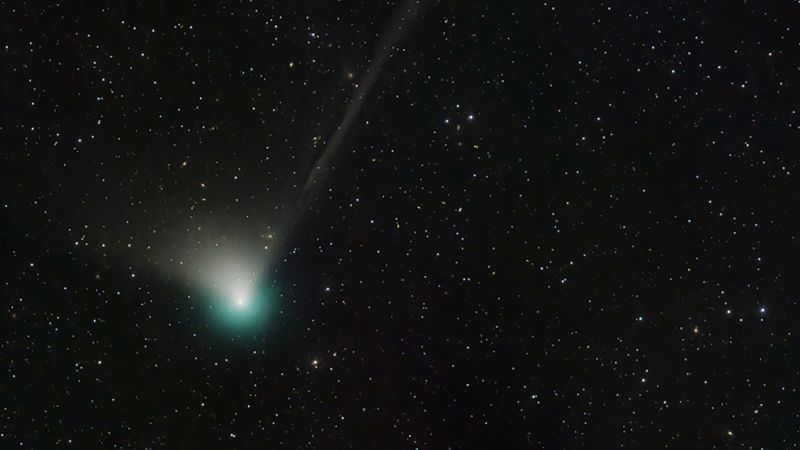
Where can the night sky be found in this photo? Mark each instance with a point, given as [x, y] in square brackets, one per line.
[399, 224]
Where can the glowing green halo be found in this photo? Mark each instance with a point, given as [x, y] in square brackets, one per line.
[239, 309]
[230, 282]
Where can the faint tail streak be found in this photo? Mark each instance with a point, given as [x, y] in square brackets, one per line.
[389, 39]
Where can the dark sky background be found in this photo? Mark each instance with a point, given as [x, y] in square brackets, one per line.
[551, 226]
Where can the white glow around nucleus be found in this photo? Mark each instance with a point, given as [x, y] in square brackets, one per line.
[230, 280]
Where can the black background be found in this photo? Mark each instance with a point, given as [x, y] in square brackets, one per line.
[603, 256]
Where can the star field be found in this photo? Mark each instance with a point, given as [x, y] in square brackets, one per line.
[399, 224]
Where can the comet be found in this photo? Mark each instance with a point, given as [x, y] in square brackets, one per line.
[230, 275]
[389, 40]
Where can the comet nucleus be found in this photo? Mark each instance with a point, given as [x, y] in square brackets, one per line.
[231, 280]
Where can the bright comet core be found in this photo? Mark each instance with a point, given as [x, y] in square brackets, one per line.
[230, 279]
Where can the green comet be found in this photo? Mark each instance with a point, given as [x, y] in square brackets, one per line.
[231, 281]
[241, 308]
